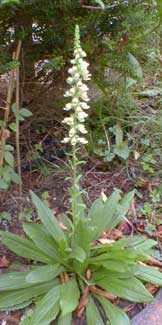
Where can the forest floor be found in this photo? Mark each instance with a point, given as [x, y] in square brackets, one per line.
[97, 177]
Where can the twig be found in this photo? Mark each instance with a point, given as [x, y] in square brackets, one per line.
[116, 5]
[10, 93]
[98, 8]
[15, 56]
[17, 120]
[7, 109]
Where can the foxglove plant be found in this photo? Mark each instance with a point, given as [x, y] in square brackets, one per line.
[68, 266]
[77, 107]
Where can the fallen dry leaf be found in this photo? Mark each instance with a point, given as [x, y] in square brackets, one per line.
[132, 210]
[159, 229]
[153, 261]
[105, 241]
[153, 217]
[5, 134]
[141, 226]
[128, 308]
[4, 262]
[152, 288]
[115, 234]
[63, 227]
[137, 155]
[83, 302]
[102, 292]
[64, 277]
[159, 232]
[88, 274]
[122, 225]
[146, 183]
[125, 226]
[10, 319]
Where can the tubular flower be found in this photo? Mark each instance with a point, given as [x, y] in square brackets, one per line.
[78, 92]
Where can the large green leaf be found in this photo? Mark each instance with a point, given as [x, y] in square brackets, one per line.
[104, 248]
[132, 247]
[47, 309]
[131, 254]
[69, 297]
[114, 265]
[17, 307]
[115, 315]
[23, 247]
[123, 243]
[131, 289]
[9, 299]
[96, 209]
[13, 280]
[141, 243]
[123, 208]
[101, 273]
[44, 273]
[65, 320]
[78, 253]
[110, 208]
[148, 273]
[102, 215]
[92, 314]
[42, 240]
[81, 236]
[48, 219]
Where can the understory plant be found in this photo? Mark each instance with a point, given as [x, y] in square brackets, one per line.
[69, 270]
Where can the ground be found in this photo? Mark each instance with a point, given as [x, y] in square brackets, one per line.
[97, 177]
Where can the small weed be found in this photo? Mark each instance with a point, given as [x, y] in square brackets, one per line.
[113, 146]
[5, 216]
[26, 215]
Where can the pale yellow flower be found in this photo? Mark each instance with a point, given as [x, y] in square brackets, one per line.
[79, 94]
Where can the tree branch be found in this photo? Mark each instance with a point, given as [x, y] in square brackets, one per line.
[114, 6]
[98, 8]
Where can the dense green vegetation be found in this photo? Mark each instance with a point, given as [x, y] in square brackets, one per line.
[121, 41]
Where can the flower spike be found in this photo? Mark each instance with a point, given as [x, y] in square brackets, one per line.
[79, 94]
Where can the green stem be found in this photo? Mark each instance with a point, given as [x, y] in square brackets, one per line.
[74, 185]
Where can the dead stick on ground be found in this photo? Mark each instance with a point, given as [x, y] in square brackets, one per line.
[15, 56]
[17, 120]
[4, 135]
